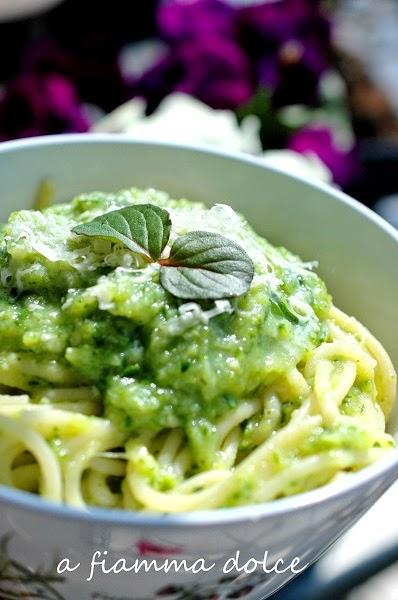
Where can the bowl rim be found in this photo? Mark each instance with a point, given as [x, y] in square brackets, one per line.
[386, 467]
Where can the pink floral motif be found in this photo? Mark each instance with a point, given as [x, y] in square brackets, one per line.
[146, 547]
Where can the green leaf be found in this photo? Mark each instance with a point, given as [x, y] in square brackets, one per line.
[205, 265]
[282, 307]
[273, 132]
[143, 228]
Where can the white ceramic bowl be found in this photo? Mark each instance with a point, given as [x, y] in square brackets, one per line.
[358, 254]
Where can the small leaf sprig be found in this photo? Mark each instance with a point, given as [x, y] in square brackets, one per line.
[201, 265]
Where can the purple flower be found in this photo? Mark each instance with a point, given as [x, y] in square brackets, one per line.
[204, 60]
[158, 81]
[282, 20]
[96, 76]
[186, 19]
[293, 73]
[289, 41]
[221, 53]
[214, 70]
[40, 104]
[343, 163]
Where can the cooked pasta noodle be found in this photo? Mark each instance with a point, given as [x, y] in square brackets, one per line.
[321, 383]
[63, 435]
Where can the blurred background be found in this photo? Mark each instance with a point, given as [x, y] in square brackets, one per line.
[317, 79]
[308, 85]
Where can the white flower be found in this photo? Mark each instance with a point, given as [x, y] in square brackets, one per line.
[181, 118]
[119, 120]
[306, 165]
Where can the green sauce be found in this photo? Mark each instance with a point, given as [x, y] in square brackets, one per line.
[104, 317]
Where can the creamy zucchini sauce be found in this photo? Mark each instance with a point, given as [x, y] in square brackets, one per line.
[77, 311]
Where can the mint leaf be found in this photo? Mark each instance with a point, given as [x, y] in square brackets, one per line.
[143, 228]
[205, 265]
[202, 265]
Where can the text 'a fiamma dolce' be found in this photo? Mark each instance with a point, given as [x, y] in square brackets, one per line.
[101, 563]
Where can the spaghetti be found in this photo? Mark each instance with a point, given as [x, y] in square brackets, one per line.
[97, 409]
